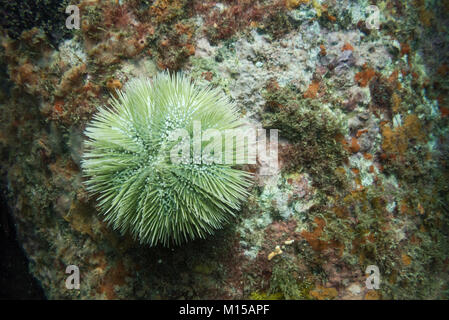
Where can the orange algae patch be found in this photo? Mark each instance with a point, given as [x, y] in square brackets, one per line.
[396, 141]
[394, 76]
[332, 18]
[114, 84]
[444, 111]
[405, 49]
[292, 4]
[354, 147]
[313, 238]
[164, 10]
[58, 106]
[406, 260]
[341, 139]
[404, 208]
[323, 51]
[347, 46]
[367, 237]
[312, 90]
[415, 240]
[373, 295]
[190, 49]
[207, 75]
[184, 29]
[114, 277]
[360, 132]
[254, 24]
[365, 76]
[323, 293]
[396, 102]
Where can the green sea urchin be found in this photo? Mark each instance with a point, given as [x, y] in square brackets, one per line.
[127, 162]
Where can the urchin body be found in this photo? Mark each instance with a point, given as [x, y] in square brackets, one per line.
[127, 162]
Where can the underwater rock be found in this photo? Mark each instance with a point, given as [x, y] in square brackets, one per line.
[362, 114]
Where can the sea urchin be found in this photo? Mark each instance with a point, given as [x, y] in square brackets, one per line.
[127, 162]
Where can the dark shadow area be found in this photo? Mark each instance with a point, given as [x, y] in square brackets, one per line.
[47, 15]
[16, 282]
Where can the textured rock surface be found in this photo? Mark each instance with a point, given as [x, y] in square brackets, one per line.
[362, 115]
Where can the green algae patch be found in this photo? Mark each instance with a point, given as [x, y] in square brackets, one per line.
[313, 131]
